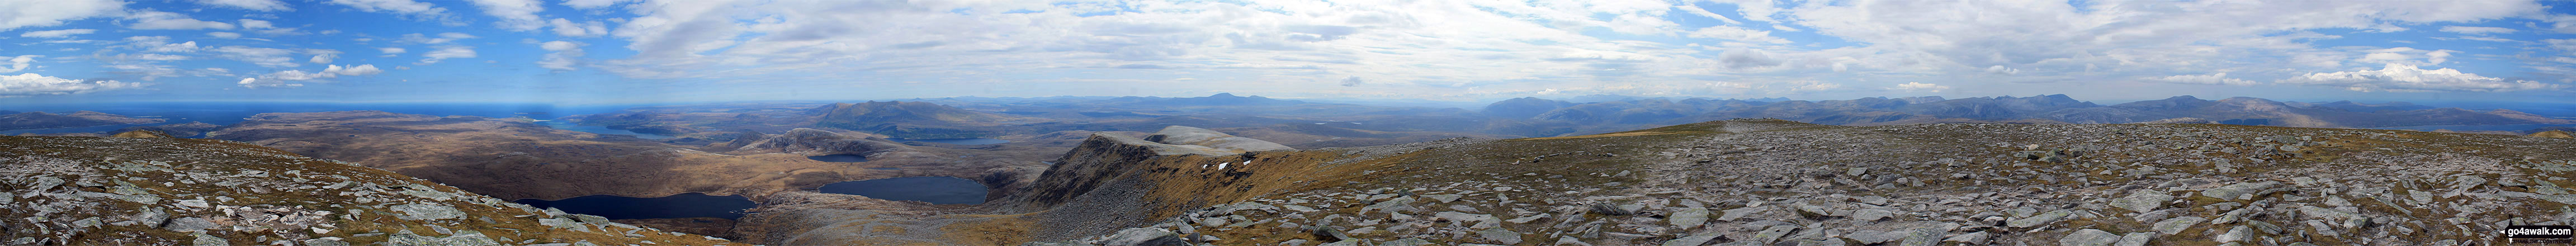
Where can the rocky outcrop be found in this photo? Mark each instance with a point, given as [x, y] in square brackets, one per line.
[2551, 134]
[170, 191]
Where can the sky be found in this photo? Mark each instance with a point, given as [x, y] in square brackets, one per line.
[630, 51]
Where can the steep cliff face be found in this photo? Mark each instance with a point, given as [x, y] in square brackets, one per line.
[144, 188]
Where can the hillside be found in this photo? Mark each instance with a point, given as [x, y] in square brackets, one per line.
[1760, 182]
[154, 190]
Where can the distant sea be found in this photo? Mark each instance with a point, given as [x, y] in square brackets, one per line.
[227, 113]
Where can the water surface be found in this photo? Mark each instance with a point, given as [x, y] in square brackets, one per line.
[935, 190]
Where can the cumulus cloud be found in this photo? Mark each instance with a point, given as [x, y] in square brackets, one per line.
[30, 84]
[19, 63]
[391, 51]
[16, 14]
[444, 53]
[2407, 78]
[157, 20]
[259, 5]
[322, 56]
[2202, 79]
[515, 15]
[1920, 86]
[566, 54]
[2477, 29]
[64, 33]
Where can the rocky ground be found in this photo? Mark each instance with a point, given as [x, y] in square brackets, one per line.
[144, 188]
[1770, 182]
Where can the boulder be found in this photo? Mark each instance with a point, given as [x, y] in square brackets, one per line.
[2089, 237]
[2143, 201]
[1144, 236]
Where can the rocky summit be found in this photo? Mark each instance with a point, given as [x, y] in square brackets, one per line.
[143, 188]
[1775, 182]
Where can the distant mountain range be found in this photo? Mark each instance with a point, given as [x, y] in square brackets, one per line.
[41, 120]
[2037, 109]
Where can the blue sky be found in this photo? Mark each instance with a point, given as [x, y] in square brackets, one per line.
[627, 51]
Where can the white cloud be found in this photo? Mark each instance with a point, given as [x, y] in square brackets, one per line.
[566, 55]
[64, 33]
[322, 56]
[2000, 69]
[391, 51]
[1737, 34]
[16, 14]
[409, 8]
[17, 63]
[266, 57]
[256, 83]
[160, 44]
[157, 20]
[1920, 86]
[29, 84]
[224, 35]
[2202, 79]
[259, 5]
[2408, 78]
[442, 38]
[291, 78]
[1353, 81]
[296, 75]
[359, 70]
[2477, 29]
[515, 15]
[592, 4]
[256, 24]
[444, 53]
[585, 29]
